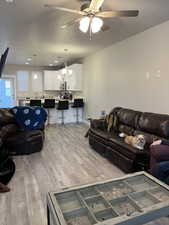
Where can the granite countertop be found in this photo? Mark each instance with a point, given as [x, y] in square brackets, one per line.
[27, 101]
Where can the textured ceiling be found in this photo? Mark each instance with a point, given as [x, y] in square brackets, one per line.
[29, 28]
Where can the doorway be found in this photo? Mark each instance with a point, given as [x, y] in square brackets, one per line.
[7, 93]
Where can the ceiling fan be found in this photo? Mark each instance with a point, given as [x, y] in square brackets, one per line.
[91, 16]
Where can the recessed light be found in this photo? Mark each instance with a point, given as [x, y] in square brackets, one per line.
[27, 63]
[29, 59]
[50, 64]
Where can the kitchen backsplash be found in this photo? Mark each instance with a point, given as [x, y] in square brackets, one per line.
[46, 94]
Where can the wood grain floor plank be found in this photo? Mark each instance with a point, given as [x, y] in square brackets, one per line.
[66, 160]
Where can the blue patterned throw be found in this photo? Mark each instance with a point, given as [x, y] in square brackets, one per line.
[29, 118]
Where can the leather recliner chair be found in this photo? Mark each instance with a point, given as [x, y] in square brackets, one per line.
[17, 141]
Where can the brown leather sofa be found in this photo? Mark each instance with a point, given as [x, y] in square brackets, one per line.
[153, 126]
[17, 141]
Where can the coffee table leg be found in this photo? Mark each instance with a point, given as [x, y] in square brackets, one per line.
[48, 215]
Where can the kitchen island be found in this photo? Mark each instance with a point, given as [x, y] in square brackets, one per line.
[55, 116]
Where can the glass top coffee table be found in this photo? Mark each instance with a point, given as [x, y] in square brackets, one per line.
[130, 200]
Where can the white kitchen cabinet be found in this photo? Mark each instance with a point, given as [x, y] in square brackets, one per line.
[58, 80]
[48, 80]
[36, 81]
[52, 80]
[74, 77]
[23, 81]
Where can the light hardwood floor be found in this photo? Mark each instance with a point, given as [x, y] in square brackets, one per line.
[66, 160]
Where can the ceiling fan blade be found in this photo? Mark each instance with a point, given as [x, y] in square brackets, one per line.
[71, 23]
[105, 28]
[95, 5]
[65, 9]
[121, 13]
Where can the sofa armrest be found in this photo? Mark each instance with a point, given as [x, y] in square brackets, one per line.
[98, 124]
[159, 153]
[8, 130]
[6, 117]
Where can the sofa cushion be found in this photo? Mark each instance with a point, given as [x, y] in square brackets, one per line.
[150, 138]
[126, 130]
[118, 144]
[103, 134]
[128, 117]
[156, 124]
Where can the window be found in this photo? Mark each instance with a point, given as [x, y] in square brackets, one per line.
[8, 87]
[6, 93]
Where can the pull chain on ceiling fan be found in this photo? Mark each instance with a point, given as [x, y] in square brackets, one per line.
[91, 16]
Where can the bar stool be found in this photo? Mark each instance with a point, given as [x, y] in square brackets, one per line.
[49, 104]
[35, 102]
[78, 103]
[63, 105]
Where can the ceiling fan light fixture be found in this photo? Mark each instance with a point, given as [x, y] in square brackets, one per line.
[96, 24]
[84, 24]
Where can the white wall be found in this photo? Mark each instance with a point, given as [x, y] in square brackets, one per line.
[133, 73]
